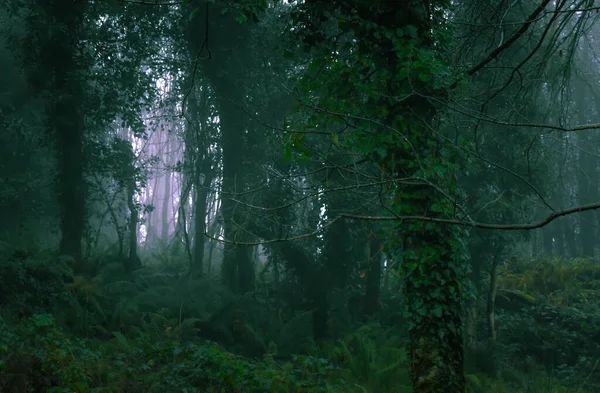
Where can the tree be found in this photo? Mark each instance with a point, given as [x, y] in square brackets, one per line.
[382, 60]
[54, 30]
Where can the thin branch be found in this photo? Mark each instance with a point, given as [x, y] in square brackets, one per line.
[496, 52]
[488, 119]
[469, 224]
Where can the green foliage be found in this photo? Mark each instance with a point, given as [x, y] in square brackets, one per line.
[31, 283]
[372, 357]
[35, 355]
[556, 328]
[566, 282]
[145, 335]
[515, 382]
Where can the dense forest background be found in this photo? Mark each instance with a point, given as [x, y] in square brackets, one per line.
[299, 196]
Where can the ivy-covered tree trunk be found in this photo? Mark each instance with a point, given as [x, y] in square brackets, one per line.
[433, 292]
[395, 63]
[431, 256]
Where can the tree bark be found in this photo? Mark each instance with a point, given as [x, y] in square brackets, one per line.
[133, 260]
[165, 217]
[373, 288]
[225, 70]
[201, 189]
[57, 54]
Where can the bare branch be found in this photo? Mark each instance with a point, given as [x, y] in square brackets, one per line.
[496, 52]
[463, 223]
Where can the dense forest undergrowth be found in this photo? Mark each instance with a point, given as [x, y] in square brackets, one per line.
[160, 330]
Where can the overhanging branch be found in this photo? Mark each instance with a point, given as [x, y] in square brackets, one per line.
[463, 223]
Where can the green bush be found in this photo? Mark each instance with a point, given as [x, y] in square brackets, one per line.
[37, 356]
[32, 283]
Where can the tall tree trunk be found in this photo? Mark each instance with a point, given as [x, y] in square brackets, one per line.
[150, 221]
[180, 235]
[336, 260]
[491, 314]
[201, 189]
[547, 241]
[374, 272]
[57, 54]
[214, 228]
[559, 240]
[568, 229]
[165, 216]
[472, 313]
[133, 260]
[225, 70]
[586, 183]
[237, 269]
[315, 283]
[535, 243]
[432, 256]
[587, 179]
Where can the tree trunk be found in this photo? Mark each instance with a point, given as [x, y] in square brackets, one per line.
[547, 242]
[373, 256]
[491, 312]
[472, 313]
[431, 256]
[569, 233]
[150, 221]
[225, 71]
[133, 261]
[201, 188]
[314, 283]
[214, 228]
[57, 53]
[165, 216]
[586, 194]
[237, 269]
